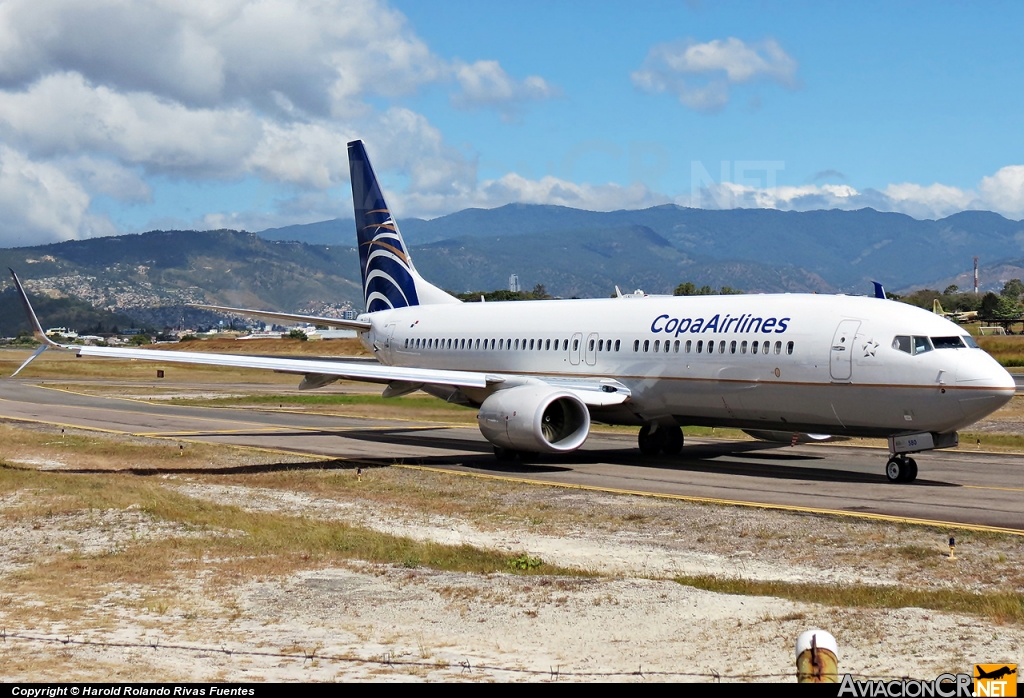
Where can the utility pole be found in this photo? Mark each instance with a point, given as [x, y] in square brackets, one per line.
[975, 276]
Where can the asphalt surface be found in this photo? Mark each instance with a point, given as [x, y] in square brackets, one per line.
[957, 487]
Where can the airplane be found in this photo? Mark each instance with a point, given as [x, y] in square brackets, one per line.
[996, 673]
[541, 372]
[955, 315]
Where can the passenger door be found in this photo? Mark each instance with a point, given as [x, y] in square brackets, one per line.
[574, 348]
[840, 363]
[591, 355]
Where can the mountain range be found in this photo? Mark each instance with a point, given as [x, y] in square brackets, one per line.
[151, 277]
[846, 249]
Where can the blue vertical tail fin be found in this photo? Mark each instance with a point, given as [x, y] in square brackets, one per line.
[389, 277]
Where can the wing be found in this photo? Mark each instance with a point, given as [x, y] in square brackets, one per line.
[358, 325]
[400, 379]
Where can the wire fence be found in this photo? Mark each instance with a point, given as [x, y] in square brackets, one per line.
[386, 659]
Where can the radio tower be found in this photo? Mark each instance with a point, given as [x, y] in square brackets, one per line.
[975, 276]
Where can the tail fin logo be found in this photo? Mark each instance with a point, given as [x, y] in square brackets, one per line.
[388, 274]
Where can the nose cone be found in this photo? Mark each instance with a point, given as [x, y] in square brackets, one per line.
[983, 384]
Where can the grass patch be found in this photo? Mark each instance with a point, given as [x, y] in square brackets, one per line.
[1007, 350]
[227, 538]
[991, 440]
[1000, 607]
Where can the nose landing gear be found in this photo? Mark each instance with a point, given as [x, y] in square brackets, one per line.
[901, 468]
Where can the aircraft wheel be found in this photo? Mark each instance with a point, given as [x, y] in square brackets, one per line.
[504, 454]
[673, 441]
[895, 470]
[911, 470]
[651, 441]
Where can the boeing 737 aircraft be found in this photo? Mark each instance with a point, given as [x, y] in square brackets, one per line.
[540, 372]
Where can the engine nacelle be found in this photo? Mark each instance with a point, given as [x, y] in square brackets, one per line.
[535, 418]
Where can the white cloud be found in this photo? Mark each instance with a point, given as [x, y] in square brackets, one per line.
[513, 188]
[1004, 191]
[932, 201]
[700, 75]
[41, 205]
[109, 92]
[486, 84]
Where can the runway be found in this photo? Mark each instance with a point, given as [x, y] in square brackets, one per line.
[974, 489]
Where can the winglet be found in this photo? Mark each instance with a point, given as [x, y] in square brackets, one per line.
[37, 329]
[879, 291]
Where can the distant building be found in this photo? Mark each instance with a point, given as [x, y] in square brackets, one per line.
[513, 283]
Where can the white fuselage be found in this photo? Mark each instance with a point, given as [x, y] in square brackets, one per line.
[830, 365]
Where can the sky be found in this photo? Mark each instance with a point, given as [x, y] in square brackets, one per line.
[121, 116]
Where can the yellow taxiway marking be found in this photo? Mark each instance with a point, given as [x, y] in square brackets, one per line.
[729, 502]
[991, 487]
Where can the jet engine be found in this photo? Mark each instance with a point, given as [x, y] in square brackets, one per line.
[535, 418]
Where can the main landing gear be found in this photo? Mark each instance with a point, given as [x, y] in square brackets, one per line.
[901, 468]
[658, 438]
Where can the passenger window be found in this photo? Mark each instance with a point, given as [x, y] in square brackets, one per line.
[721, 347]
[732, 347]
[531, 344]
[789, 348]
[675, 347]
[754, 346]
[616, 345]
[921, 345]
[902, 343]
[700, 346]
[764, 348]
[647, 345]
[547, 344]
[743, 347]
[657, 345]
[591, 346]
[947, 343]
[517, 344]
[778, 347]
[600, 345]
[711, 347]
[565, 344]
[636, 345]
[575, 345]
[687, 346]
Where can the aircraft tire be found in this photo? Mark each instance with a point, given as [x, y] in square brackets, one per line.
[673, 441]
[651, 441]
[911, 470]
[895, 470]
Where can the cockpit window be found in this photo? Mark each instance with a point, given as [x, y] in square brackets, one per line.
[921, 345]
[969, 341]
[902, 343]
[947, 343]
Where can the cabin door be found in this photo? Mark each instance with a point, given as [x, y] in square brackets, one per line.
[575, 345]
[841, 354]
[591, 353]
